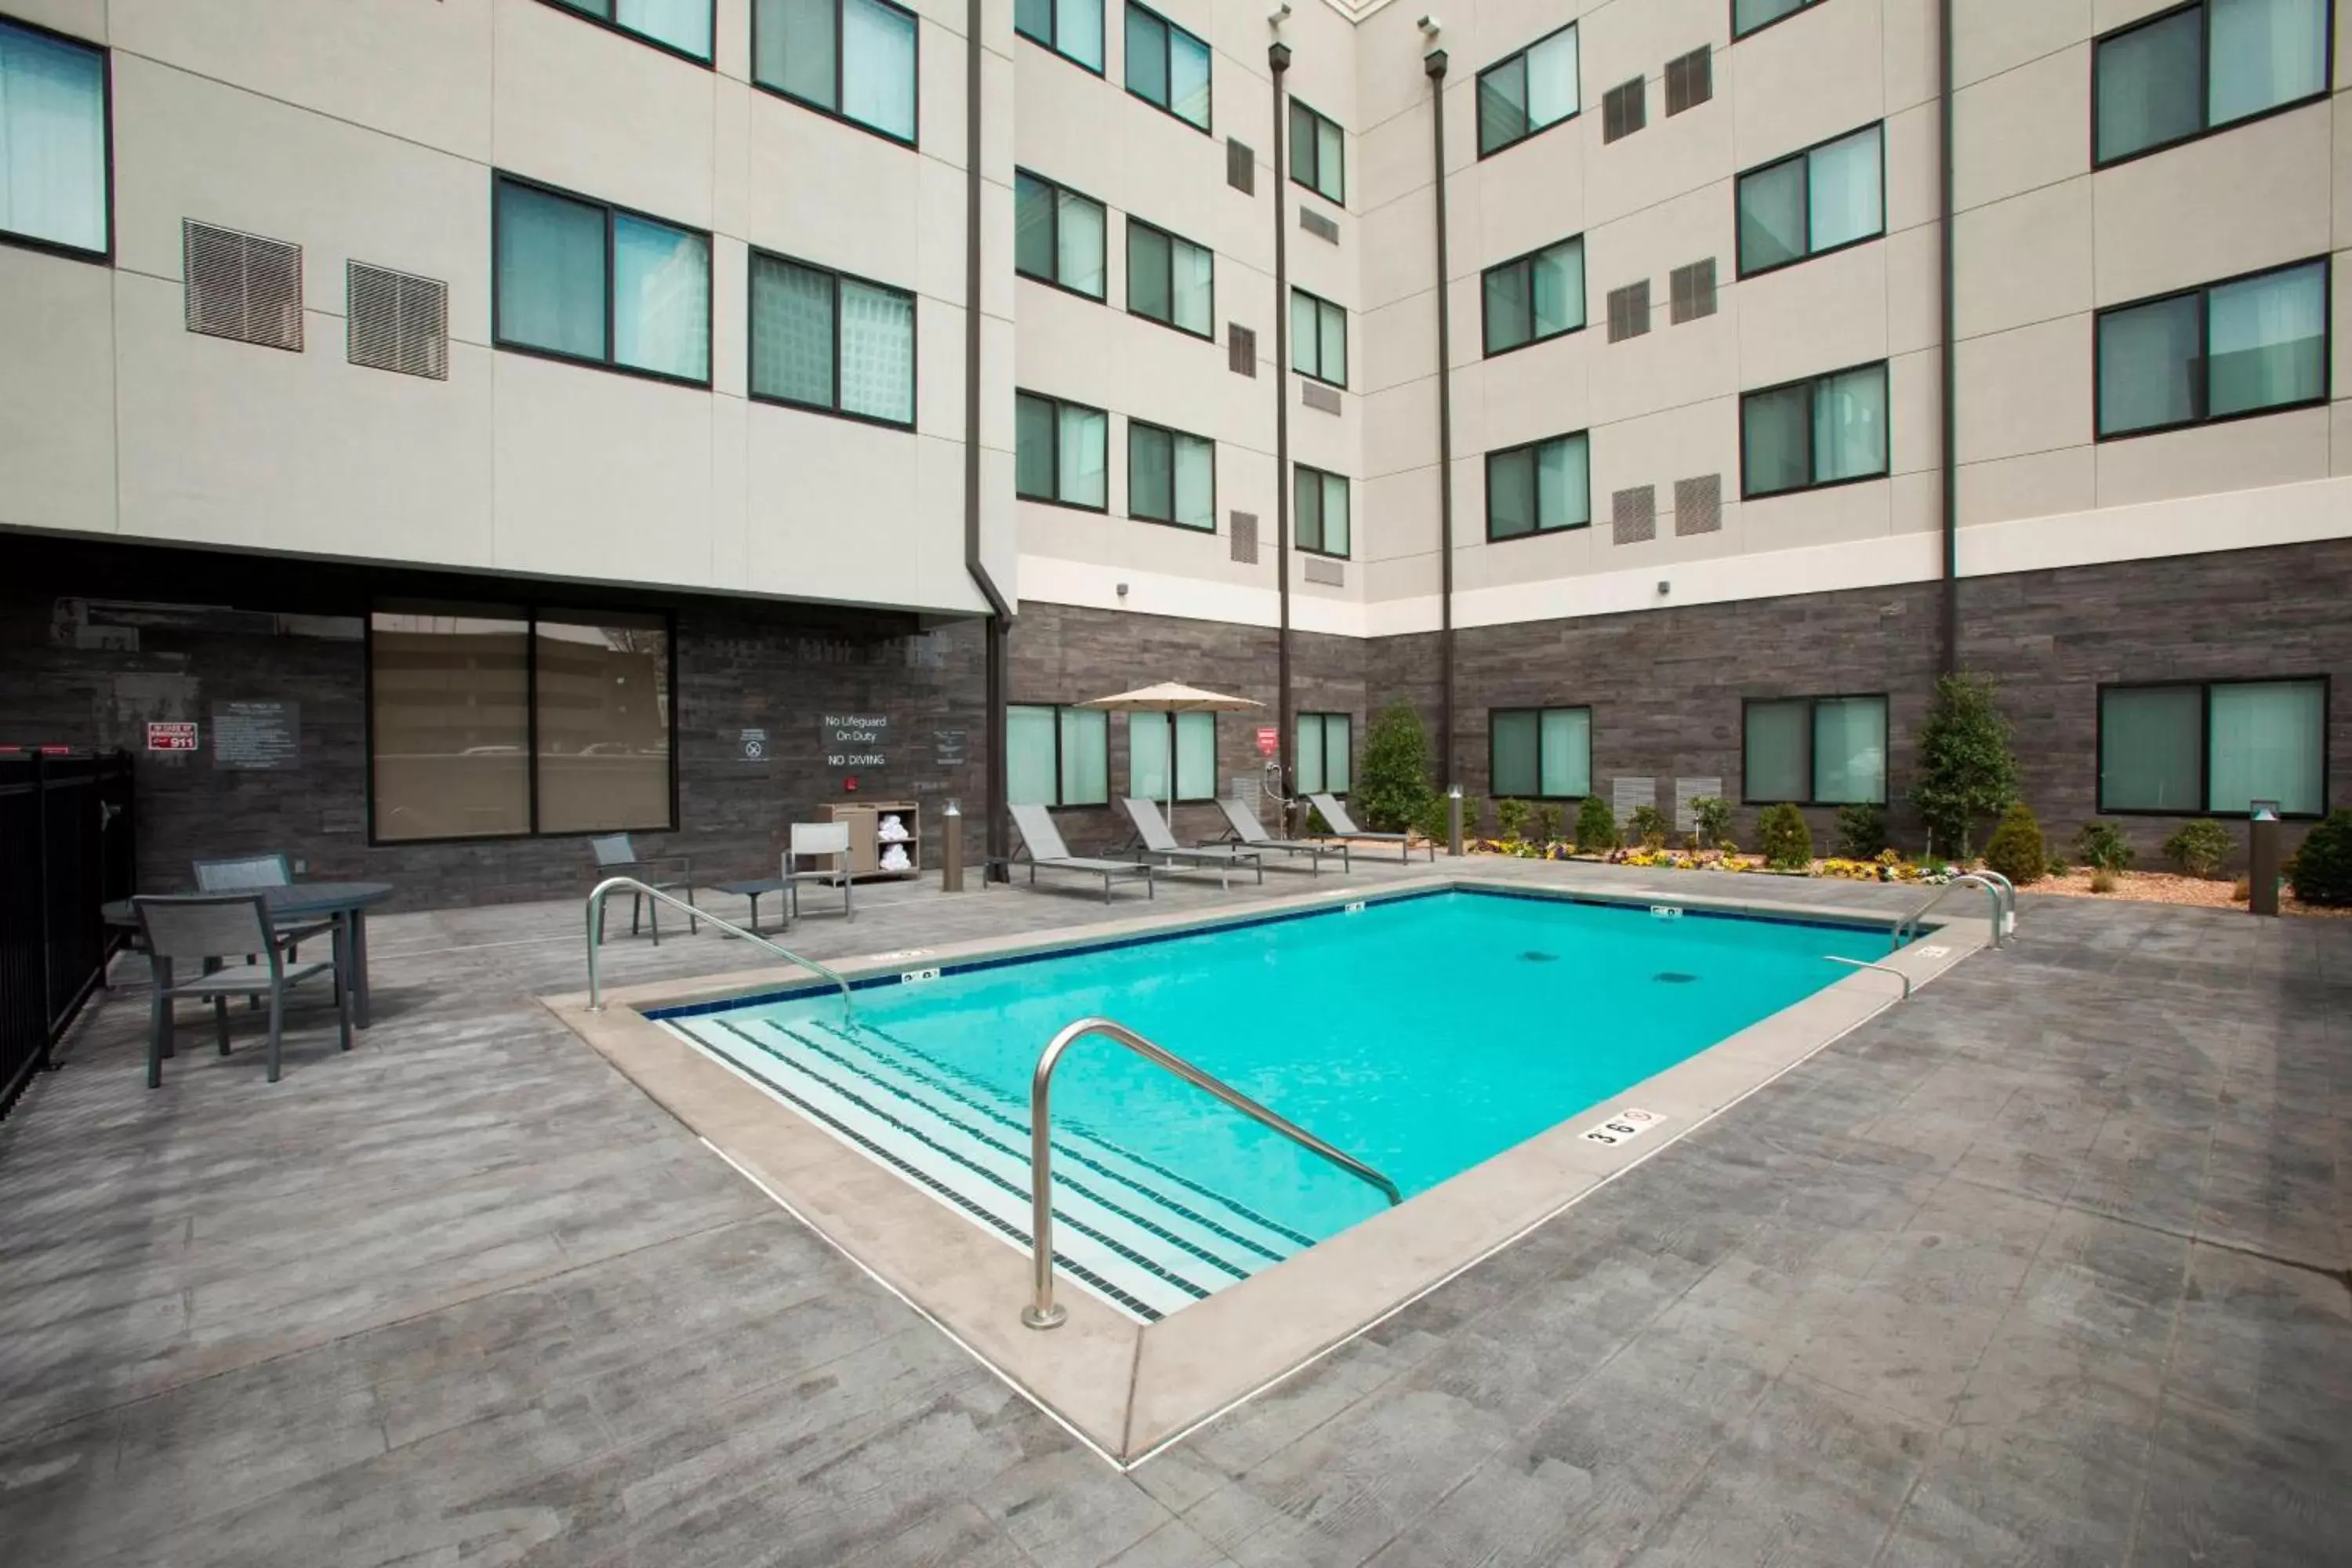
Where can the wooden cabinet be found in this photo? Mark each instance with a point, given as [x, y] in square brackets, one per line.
[866, 844]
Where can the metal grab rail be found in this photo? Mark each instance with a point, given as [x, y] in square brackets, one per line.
[1909, 925]
[1882, 968]
[2008, 897]
[1042, 1313]
[613, 884]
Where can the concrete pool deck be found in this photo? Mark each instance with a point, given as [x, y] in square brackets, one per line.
[2046, 1265]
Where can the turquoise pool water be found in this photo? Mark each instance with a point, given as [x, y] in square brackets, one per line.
[1421, 1035]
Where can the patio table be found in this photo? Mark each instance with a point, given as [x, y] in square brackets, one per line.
[346, 903]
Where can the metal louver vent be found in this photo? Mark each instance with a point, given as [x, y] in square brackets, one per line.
[1241, 349]
[1690, 79]
[1692, 291]
[1246, 537]
[1241, 167]
[1698, 504]
[1315, 394]
[242, 286]
[1624, 108]
[1629, 312]
[1634, 515]
[1330, 573]
[1319, 226]
[398, 322]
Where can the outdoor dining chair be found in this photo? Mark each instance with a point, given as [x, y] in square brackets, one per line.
[257, 871]
[616, 857]
[205, 930]
[826, 841]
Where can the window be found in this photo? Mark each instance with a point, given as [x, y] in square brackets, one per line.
[1540, 488]
[1167, 67]
[853, 59]
[1319, 504]
[53, 142]
[1061, 452]
[1543, 753]
[1320, 758]
[1190, 738]
[681, 26]
[1171, 477]
[1690, 81]
[486, 723]
[581, 280]
[827, 340]
[1319, 337]
[1319, 153]
[1056, 756]
[2203, 67]
[1624, 108]
[1825, 430]
[1812, 202]
[1691, 290]
[1529, 91]
[1057, 236]
[1815, 751]
[2213, 748]
[2226, 350]
[1171, 280]
[1534, 298]
[1747, 15]
[1071, 28]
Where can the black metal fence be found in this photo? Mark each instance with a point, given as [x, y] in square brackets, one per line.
[66, 849]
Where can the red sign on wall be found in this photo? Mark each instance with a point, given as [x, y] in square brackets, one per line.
[172, 736]
[1266, 740]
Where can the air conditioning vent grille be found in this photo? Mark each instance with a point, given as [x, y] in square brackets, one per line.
[398, 322]
[242, 286]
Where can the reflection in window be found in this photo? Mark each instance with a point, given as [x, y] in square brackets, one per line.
[2228, 349]
[1818, 200]
[2203, 67]
[602, 701]
[564, 266]
[1536, 297]
[1822, 431]
[1527, 92]
[851, 58]
[52, 141]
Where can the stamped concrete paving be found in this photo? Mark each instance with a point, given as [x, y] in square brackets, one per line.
[2047, 1266]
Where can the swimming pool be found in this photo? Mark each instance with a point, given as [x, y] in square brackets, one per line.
[1422, 1035]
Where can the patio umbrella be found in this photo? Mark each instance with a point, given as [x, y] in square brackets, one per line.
[1170, 697]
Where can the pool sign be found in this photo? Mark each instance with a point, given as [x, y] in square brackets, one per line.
[175, 735]
[1267, 738]
[1625, 1125]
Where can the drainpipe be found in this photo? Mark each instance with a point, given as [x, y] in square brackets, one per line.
[1951, 601]
[999, 614]
[1434, 64]
[1279, 57]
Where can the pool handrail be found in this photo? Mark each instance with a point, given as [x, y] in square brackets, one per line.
[1043, 1312]
[1908, 926]
[630, 884]
[1881, 968]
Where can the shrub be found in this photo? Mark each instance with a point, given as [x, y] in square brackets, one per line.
[2058, 866]
[1393, 784]
[1786, 842]
[2103, 847]
[2015, 849]
[1431, 821]
[2200, 848]
[1549, 821]
[2322, 871]
[1861, 831]
[1647, 826]
[1511, 817]
[2242, 890]
[1712, 814]
[2103, 880]
[1596, 826]
[1966, 771]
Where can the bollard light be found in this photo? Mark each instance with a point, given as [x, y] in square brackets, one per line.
[1453, 820]
[2263, 857]
[951, 849]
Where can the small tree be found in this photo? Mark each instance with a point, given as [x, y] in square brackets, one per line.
[1711, 819]
[1786, 843]
[1861, 831]
[1512, 816]
[1647, 826]
[2199, 848]
[1393, 786]
[1966, 771]
[2015, 849]
[1596, 826]
[2322, 873]
[1549, 819]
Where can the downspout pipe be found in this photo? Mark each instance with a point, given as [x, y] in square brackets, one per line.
[1434, 64]
[1278, 57]
[1000, 612]
[1950, 609]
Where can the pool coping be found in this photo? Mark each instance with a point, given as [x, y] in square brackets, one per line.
[1128, 1388]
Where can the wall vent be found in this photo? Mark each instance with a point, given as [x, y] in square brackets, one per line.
[1634, 515]
[1324, 570]
[1241, 167]
[1629, 312]
[1241, 349]
[1245, 532]
[1692, 291]
[1624, 108]
[398, 322]
[1690, 79]
[1319, 226]
[242, 286]
[1315, 394]
[1698, 505]
[1625, 794]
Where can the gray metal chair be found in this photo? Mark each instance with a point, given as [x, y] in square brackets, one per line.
[208, 929]
[1344, 826]
[1042, 842]
[616, 857]
[257, 871]
[816, 841]
[1159, 838]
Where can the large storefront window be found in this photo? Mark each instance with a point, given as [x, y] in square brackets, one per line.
[486, 722]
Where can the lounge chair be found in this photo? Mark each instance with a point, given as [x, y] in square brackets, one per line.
[1251, 832]
[1152, 829]
[1344, 826]
[1042, 842]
